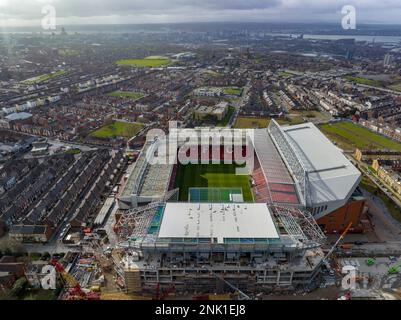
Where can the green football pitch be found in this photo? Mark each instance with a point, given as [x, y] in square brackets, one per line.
[217, 195]
[211, 176]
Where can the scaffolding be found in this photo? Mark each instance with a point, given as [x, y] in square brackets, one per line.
[134, 223]
[137, 174]
[172, 195]
[299, 225]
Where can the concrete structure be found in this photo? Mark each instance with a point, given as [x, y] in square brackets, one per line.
[218, 111]
[208, 92]
[262, 249]
[191, 220]
[388, 60]
[146, 182]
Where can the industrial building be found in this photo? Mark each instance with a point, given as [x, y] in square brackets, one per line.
[271, 243]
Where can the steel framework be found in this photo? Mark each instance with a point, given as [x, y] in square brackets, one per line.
[299, 225]
[292, 160]
[134, 222]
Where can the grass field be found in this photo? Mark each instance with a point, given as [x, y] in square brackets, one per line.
[233, 91]
[284, 74]
[351, 136]
[157, 58]
[217, 195]
[73, 151]
[298, 117]
[211, 176]
[251, 123]
[149, 62]
[360, 80]
[44, 77]
[117, 129]
[395, 87]
[126, 94]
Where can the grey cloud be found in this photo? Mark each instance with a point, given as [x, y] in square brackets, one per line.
[387, 11]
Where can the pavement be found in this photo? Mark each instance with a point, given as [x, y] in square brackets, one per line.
[109, 227]
[238, 104]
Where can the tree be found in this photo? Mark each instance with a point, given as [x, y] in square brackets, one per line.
[19, 287]
[46, 256]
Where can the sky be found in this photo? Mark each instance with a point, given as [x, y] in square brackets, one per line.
[29, 12]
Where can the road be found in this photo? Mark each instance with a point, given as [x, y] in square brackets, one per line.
[83, 147]
[380, 184]
[109, 227]
[238, 104]
[72, 145]
[51, 248]
[385, 90]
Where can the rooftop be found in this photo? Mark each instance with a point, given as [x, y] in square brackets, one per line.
[221, 221]
[331, 175]
[18, 116]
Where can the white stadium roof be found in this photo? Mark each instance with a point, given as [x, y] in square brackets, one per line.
[205, 220]
[332, 176]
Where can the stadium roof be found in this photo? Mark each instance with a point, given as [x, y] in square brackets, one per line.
[332, 176]
[221, 221]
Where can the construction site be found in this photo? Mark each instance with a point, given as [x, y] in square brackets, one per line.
[209, 245]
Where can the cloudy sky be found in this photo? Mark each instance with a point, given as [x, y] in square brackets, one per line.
[28, 12]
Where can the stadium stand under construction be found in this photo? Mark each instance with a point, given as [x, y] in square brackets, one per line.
[216, 238]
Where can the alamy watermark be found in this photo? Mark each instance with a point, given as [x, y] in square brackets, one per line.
[353, 279]
[348, 21]
[49, 15]
[48, 282]
[348, 282]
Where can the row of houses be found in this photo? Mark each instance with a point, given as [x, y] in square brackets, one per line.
[14, 171]
[85, 212]
[388, 176]
[45, 217]
[16, 202]
[382, 128]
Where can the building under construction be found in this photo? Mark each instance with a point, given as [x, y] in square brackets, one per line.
[270, 244]
[200, 247]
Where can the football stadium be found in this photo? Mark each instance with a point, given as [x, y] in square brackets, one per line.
[207, 223]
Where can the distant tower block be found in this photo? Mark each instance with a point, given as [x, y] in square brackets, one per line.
[388, 60]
